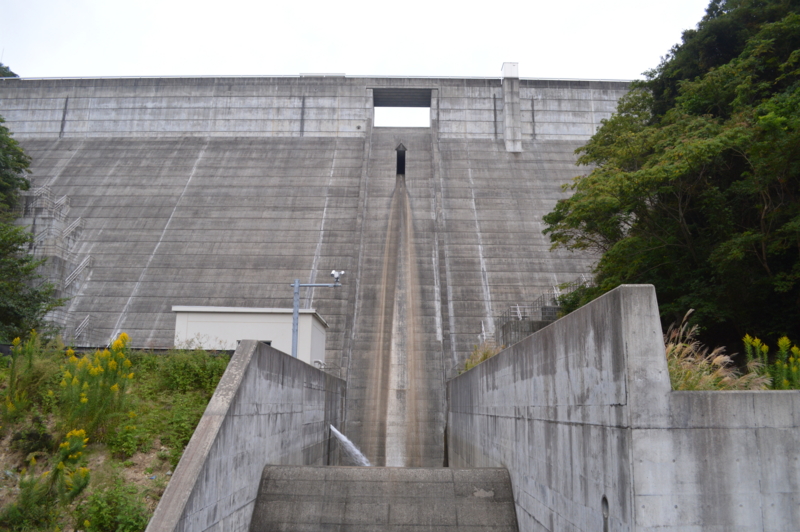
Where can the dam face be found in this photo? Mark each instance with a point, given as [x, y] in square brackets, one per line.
[152, 192]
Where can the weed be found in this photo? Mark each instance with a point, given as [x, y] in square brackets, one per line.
[40, 494]
[483, 351]
[33, 438]
[185, 414]
[93, 388]
[784, 370]
[116, 508]
[693, 367]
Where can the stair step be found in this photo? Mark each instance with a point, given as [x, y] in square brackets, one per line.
[383, 499]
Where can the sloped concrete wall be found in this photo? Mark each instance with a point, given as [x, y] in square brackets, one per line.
[269, 408]
[582, 412]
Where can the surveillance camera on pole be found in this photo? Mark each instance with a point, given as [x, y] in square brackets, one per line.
[296, 310]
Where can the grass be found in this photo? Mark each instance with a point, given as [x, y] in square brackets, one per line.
[481, 352]
[92, 438]
[693, 366]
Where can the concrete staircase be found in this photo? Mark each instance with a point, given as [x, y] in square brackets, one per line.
[378, 499]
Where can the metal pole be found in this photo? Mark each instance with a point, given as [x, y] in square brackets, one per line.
[296, 310]
[295, 316]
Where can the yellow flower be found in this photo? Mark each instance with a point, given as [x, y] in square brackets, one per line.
[130, 375]
[75, 381]
[124, 338]
[50, 392]
[131, 414]
[73, 359]
[784, 343]
[115, 388]
[117, 345]
[85, 385]
[15, 341]
[84, 400]
[60, 466]
[63, 383]
[127, 363]
[67, 375]
[112, 365]
[87, 524]
[70, 352]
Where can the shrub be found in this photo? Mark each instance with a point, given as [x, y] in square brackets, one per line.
[33, 438]
[93, 388]
[185, 415]
[33, 368]
[185, 371]
[117, 508]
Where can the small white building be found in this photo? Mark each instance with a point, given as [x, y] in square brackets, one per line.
[223, 327]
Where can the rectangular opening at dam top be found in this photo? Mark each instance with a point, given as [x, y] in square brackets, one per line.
[402, 107]
[402, 117]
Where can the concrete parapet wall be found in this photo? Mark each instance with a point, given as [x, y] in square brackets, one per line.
[581, 412]
[299, 107]
[269, 408]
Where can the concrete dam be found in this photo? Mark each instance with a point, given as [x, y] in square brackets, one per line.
[150, 193]
[154, 193]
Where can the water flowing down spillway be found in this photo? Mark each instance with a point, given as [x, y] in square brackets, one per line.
[394, 384]
[395, 411]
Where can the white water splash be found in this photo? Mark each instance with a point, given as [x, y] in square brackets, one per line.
[350, 449]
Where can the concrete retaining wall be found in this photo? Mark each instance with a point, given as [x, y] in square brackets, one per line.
[582, 415]
[269, 408]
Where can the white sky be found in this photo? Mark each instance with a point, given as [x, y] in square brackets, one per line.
[582, 39]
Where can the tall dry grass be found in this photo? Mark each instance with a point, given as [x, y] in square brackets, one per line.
[693, 366]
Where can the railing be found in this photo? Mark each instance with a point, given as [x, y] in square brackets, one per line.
[42, 198]
[522, 320]
[72, 227]
[77, 271]
[79, 330]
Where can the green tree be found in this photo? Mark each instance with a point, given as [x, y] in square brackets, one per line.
[5, 72]
[696, 179]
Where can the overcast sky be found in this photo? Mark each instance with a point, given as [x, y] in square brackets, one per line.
[582, 39]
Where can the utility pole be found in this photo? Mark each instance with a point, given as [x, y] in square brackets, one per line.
[296, 310]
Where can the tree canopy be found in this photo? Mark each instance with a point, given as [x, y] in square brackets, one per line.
[6, 72]
[695, 185]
